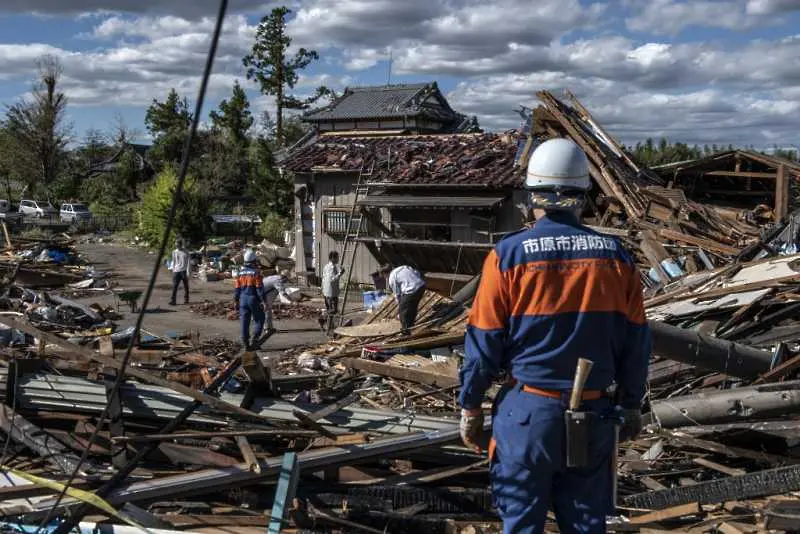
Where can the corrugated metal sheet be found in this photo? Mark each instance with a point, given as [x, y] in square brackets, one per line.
[62, 393]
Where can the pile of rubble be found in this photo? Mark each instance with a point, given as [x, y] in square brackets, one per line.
[671, 232]
[360, 434]
[280, 311]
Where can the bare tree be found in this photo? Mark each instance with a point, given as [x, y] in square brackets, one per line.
[38, 128]
[120, 132]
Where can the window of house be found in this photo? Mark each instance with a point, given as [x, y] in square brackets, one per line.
[334, 222]
[429, 225]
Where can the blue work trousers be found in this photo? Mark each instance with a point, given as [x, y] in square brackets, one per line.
[251, 308]
[528, 469]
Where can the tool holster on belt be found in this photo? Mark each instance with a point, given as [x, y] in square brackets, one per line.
[578, 426]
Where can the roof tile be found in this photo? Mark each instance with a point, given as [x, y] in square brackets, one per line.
[477, 159]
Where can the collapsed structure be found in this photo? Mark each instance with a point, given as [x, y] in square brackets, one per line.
[360, 434]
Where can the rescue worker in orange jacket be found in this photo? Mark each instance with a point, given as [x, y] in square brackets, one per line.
[548, 296]
[248, 297]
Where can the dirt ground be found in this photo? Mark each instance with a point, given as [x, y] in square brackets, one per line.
[132, 268]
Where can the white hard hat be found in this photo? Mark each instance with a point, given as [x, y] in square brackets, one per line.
[249, 256]
[558, 164]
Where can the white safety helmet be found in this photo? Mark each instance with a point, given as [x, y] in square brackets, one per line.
[249, 256]
[558, 175]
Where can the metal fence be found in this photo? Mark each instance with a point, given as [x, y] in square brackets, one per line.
[111, 223]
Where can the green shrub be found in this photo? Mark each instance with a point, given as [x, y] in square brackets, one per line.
[273, 227]
[192, 214]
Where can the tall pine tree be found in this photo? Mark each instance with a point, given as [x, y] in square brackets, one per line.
[168, 122]
[275, 71]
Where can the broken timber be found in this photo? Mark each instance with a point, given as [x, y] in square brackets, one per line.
[419, 376]
[26, 433]
[199, 482]
[142, 375]
[749, 486]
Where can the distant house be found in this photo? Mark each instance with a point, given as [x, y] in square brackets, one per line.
[437, 202]
[385, 109]
[742, 179]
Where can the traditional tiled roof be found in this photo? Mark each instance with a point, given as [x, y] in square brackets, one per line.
[473, 159]
[386, 102]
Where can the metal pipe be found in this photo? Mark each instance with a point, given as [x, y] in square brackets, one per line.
[730, 405]
[707, 352]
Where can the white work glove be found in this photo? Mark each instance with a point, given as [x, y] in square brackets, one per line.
[471, 429]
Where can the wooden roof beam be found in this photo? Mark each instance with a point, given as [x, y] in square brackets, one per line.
[742, 174]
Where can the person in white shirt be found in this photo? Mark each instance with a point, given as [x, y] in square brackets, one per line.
[408, 287]
[274, 285]
[181, 266]
[331, 274]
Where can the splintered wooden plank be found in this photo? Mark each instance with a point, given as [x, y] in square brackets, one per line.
[427, 376]
[669, 513]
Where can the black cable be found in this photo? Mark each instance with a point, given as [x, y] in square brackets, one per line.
[67, 525]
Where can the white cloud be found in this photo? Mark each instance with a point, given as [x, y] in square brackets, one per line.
[771, 7]
[670, 17]
[185, 8]
[637, 84]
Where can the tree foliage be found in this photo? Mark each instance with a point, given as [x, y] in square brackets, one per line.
[168, 122]
[226, 167]
[191, 216]
[38, 129]
[277, 73]
[234, 118]
[272, 190]
[651, 154]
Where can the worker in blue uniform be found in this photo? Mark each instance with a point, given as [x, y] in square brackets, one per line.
[249, 297]
[548, 296]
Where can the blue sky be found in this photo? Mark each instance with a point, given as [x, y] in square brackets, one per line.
[705, 71]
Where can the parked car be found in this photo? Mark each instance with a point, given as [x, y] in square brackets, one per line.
[36, 208]
[11, 217]
[73, 212]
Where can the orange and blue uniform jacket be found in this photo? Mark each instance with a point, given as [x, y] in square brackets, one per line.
[249, 286]
[548, 296]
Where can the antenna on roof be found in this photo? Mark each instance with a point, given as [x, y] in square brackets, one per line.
[389, 74]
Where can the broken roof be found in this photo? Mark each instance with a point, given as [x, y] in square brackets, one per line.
[451, 159]
[386, 102]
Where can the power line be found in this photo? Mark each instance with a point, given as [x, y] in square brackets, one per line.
[68, 524]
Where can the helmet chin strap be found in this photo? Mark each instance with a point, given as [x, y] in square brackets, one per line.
[558, 200]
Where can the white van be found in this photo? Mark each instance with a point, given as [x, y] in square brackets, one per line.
[36, 208]
[75, 211]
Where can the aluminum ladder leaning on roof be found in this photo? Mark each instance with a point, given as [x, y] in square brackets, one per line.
[352, 235]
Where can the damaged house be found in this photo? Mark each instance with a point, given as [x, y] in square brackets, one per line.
[408, 169]
[738, 179]
[436, 202]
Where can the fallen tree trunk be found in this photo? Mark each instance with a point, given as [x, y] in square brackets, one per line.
[707, 352]
[731, 405]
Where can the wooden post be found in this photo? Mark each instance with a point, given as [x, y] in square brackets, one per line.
[284, 493]
[5, 234]
[781, 193]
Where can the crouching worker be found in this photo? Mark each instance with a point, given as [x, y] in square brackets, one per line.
[408, 287]
[248, 297]
[548, 296]
[274, 286]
